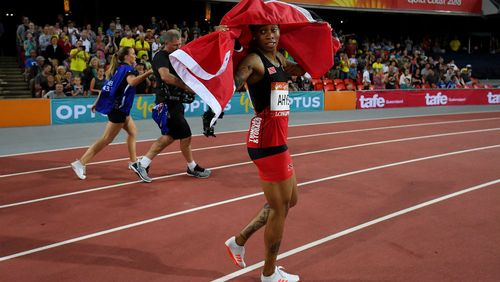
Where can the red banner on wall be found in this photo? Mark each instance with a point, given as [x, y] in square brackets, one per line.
[453, 6]
[426, 98]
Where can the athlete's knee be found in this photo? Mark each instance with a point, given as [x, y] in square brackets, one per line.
[293, 202]
[185, 142]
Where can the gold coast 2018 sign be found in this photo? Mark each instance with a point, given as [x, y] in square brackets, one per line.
[446, 6]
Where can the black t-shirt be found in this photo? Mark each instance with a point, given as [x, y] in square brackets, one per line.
[161, 60]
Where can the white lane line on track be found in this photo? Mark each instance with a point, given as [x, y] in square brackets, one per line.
[139, 223]
[245, 130]
[356, 228]
[245, 163]
[240, 144]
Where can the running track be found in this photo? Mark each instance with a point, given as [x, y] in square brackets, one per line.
[403, 199]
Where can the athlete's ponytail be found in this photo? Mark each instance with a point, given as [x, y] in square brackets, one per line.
[116, 59]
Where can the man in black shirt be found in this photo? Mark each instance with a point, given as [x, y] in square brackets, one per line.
[169, 110]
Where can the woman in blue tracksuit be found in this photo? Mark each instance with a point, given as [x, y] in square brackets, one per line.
[116, 100]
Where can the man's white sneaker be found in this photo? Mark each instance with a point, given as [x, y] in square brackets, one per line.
[79, 169]
[236, 252]
[279, 275]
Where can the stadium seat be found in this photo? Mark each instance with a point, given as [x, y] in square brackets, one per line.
[329, 87]
[361, 87]
[337, 81]
[340, 87]
[348, 81]
[318, 86]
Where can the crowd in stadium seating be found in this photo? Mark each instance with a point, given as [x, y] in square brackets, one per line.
[73, 58]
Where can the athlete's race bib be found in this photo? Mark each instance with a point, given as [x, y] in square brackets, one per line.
[279, 98]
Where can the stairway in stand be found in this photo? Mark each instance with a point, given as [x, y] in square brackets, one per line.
[12, 84]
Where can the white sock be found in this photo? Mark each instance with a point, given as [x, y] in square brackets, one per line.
[145, 161]
[192, 165]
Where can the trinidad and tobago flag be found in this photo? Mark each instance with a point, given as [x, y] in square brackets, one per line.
[206, 64]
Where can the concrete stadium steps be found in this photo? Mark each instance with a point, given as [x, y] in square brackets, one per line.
[12, 83]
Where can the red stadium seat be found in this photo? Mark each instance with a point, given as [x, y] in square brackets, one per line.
[318, 86]
[340, 87]
[348, 81]
[337, 81]
[329, 87]
[315, 80]
[361, 87]
[327, 81]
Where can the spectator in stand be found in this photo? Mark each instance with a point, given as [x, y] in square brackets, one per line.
[366, 77]
[110, 49]
[351, 48]
[84, 37]
[142, 47]
[97, 82]
[144, 86]
[89, 73]
[77, 87]
[65, 44]
[118, 25]
[41, 81]
[378, 65]
[390, 80]
[195, 30]
[78, 58]
[128, 40]
[99, 50]
[145, 61]
[457, 81]
[58, 92]
[29, 44]
[378, 79]
[405, 79]
[466, 75]
[424, 72]
[54, 53]
[30, 62]
[44, 39]
[344, 66]
[155, 47]
[431, 78]
[353, 72]
[111, 31]
[60, 74]
[66, 82]
[49, 86]
[154, 26]
[20, 36]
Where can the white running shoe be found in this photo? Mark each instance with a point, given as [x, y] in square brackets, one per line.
[236, 252]
[280, 275]
[79, 169]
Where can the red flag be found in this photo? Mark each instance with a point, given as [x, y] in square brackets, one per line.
[206, 64]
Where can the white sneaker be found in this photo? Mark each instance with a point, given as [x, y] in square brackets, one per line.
[279, 276]
[236, 252]
[79, 169]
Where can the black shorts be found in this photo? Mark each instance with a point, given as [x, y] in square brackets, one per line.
[117, 116]
[177, 124]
